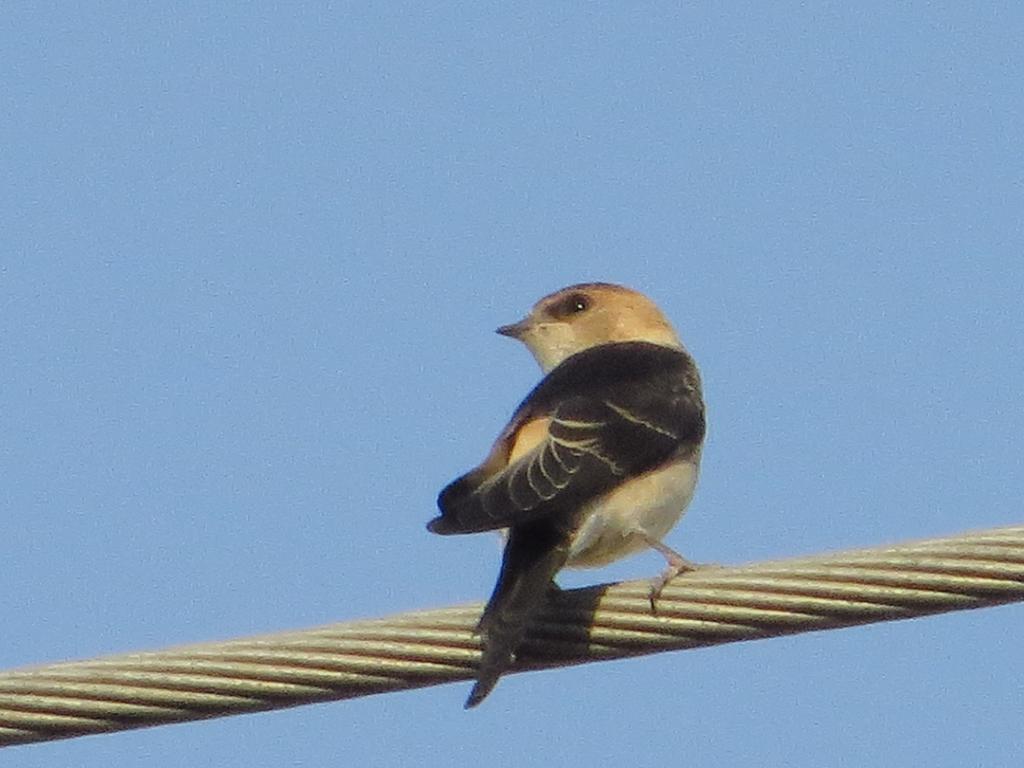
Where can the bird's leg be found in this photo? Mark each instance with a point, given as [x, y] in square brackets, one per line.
[676, 564]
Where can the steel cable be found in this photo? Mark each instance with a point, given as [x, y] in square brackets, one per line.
[708, 606]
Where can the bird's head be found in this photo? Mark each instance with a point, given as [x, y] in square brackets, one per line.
[587, 315]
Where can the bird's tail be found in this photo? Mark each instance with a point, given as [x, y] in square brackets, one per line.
[535, 552]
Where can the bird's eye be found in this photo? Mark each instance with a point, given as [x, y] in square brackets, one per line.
[573, 304]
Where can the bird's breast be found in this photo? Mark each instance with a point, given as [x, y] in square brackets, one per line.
[620, 522]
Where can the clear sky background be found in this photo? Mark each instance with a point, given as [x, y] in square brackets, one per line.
[251, 260]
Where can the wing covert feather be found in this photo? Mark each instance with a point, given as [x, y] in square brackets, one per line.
[602, 416]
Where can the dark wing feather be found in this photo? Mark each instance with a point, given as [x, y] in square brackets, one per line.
[589, 449]
[615, 411]
[612, 416]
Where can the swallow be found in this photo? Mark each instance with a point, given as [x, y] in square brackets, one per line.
[599, 461]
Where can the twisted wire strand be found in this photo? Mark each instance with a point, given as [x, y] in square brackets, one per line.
[708, 606]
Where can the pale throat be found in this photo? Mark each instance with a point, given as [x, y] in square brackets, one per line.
[550, 345]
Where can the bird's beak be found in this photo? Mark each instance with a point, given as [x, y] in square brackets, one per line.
[515, 330]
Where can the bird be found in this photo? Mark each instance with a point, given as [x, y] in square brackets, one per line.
[599, 461]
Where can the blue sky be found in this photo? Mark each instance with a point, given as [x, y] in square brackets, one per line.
[253, 256]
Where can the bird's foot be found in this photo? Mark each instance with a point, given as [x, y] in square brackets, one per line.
[677, 564]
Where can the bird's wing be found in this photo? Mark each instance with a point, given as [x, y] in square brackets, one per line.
[558, 462]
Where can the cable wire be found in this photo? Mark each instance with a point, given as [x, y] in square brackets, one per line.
[709, 606]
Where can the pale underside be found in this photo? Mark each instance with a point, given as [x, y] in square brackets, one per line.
[626, 520]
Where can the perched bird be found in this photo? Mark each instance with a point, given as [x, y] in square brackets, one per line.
[598, 462]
